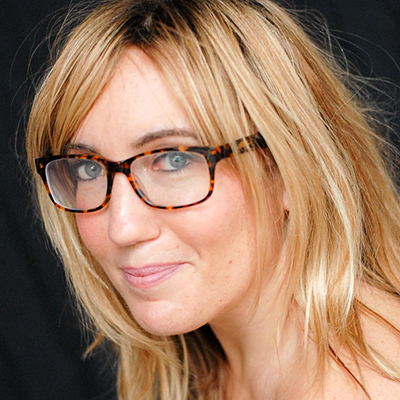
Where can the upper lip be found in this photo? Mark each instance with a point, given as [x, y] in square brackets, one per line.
[150, 269]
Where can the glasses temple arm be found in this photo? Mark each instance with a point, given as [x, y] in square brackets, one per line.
[252, 142]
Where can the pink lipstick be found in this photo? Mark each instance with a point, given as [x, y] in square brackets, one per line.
[149, 276]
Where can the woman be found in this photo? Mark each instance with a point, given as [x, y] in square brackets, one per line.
[247, 245]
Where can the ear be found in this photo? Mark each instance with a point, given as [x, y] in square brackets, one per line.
[285, 201]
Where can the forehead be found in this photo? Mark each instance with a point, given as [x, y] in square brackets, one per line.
[135, 102]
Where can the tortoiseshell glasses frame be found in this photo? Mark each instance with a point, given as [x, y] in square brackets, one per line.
[63, 186]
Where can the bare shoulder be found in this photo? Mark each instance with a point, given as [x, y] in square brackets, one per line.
[384, 337]
[382, 326]
[376, 388]
[339, 385]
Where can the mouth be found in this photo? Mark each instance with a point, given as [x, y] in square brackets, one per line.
[150, 276]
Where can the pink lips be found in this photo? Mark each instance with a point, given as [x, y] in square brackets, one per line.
[150, 275]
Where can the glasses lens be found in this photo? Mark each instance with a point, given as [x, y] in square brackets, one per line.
[172, 178]
[76, 183]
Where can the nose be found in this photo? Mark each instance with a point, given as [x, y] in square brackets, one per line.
[130, 220]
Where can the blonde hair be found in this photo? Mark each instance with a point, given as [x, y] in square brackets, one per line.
[238, 67]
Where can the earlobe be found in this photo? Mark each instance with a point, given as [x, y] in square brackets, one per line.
[285, 201]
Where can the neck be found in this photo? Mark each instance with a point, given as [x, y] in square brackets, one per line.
[261, 365]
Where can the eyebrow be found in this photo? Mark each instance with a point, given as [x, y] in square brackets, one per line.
[140, 142]
[163, 133]
[81, 147]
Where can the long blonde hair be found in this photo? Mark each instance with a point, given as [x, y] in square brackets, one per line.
[237, 67]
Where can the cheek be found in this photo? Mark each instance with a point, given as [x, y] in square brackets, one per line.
[223, 229]
[93, 232]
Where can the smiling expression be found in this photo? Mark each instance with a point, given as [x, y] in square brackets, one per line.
[176, 269]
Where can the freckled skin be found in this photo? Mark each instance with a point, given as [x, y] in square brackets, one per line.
[214, 242]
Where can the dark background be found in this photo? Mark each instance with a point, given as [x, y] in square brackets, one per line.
[41, 344]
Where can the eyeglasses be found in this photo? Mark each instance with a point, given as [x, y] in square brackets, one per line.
[170, 178]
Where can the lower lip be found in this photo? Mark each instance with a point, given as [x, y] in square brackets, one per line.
[149, 277]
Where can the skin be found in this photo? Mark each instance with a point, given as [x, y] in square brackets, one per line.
[210, 251]
[213, 243]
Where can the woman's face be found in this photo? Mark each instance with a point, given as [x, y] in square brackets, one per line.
[176, 269]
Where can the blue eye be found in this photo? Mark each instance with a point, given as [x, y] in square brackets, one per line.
[172, 161]
[88, 170]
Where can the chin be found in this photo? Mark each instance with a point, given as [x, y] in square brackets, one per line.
[164, 329]
[165, 324]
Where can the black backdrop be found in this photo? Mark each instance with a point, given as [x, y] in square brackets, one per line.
[41, 344]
